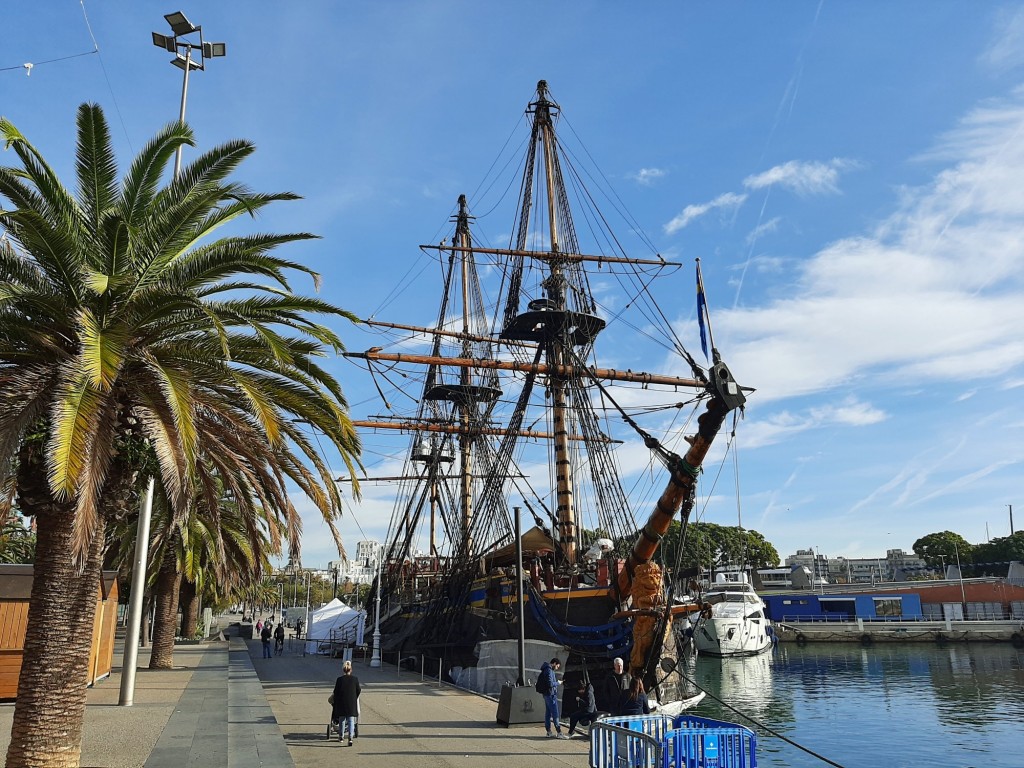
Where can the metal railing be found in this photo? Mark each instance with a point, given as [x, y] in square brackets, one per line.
[659, 741]
[634, 742]
[974, 613]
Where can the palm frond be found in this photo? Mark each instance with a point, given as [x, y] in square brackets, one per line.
[72, 417]
[97, 166]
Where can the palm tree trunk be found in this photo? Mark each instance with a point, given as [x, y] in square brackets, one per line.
[47, 727]
[189, 609]
[165, 622]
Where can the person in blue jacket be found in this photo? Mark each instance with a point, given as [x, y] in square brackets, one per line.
[548, 669]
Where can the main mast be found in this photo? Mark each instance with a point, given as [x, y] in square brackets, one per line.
[555, 285]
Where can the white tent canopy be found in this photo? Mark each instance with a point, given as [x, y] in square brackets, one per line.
[333, 622]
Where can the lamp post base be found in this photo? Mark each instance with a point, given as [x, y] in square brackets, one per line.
[375, 657]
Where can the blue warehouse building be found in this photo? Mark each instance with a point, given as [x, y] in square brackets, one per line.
[804, 606]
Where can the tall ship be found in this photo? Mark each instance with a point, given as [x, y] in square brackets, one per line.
[516, 416]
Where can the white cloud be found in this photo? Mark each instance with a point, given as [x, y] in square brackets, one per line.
[932, 294]
[803, 178]
[1007, 51]
[763, 229]
[850, 412]
[727, 201]
[647, 176]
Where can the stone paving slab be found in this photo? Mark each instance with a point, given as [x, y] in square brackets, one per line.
[123, 737]
[195, 734]
[405, 722]
[253, 735]
[224, 705]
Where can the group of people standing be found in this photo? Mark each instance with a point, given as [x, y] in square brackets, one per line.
[620, 694]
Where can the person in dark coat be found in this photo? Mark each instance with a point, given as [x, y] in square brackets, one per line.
[346, 702]
[585, 711]
[279, 639]
[615, 685]
[634, 701]
[265, 634]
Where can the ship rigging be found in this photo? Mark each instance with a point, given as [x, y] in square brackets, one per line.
[503, 376]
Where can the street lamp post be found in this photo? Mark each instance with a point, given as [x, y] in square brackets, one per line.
[181, 43]
[180, 27]
[131, 641]
[309, 584]
[960, 573]
[375, 658]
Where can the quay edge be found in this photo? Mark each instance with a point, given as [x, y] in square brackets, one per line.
[869, 632]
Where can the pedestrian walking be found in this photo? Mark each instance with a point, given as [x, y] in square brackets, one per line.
[547, 686]
[346, 702]
[265, 636]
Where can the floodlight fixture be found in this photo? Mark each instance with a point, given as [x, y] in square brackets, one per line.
[184, 47]
[164, 41]
[213, 50]
[180, 25]
[182, 60]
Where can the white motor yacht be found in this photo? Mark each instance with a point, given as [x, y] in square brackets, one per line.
[736, 625]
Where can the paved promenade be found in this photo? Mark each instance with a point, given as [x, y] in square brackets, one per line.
[224, 705]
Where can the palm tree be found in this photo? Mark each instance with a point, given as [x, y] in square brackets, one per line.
[218, 562]
[218, 538]
[127, 327]
[17, 543]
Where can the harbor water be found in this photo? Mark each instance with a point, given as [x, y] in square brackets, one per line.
[892, 705]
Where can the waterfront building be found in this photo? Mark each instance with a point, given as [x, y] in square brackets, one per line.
[897, 565]
[813, 561]
[363, 568]
[368, 553]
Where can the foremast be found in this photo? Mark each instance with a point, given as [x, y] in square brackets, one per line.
[678, 496]
[642, 579]
[463, 240]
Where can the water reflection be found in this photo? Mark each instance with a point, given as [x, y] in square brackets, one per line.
[745, 682]
[888, 704]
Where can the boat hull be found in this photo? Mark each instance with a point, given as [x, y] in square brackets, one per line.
[439, 638]
[731, 637]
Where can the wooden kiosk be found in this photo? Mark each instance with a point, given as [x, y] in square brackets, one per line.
[15, 592]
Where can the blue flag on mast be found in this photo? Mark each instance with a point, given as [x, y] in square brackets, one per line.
[702, 308]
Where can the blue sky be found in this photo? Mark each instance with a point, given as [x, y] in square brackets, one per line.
[848, 173]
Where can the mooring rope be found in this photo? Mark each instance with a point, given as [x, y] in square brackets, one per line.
[759, 724]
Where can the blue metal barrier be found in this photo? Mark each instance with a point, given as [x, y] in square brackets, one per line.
[659, 741]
